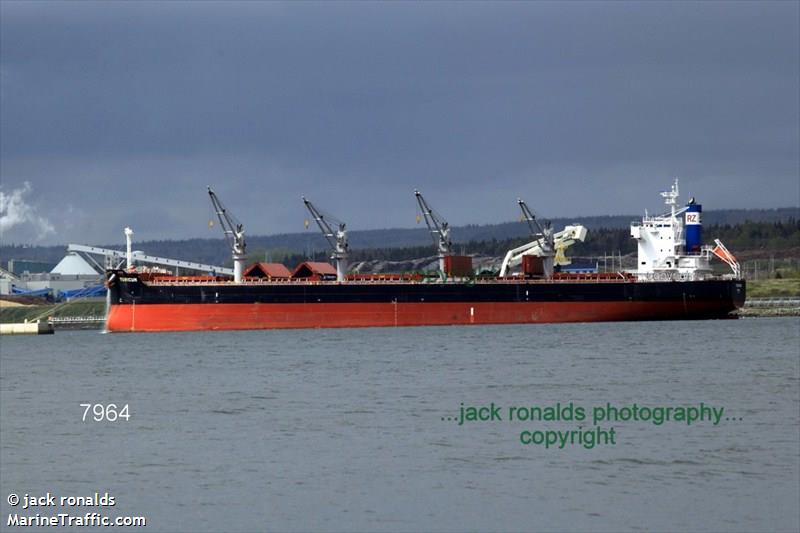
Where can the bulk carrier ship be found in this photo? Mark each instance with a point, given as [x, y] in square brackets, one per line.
[673, 280]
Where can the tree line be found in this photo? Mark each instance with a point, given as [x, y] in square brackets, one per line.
[776, 236]
[780, 236]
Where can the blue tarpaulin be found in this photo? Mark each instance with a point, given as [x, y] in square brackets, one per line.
[86, 292]
[26, 292]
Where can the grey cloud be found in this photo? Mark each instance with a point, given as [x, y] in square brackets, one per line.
[588, 107]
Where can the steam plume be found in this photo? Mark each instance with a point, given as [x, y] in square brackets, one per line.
[15, 211]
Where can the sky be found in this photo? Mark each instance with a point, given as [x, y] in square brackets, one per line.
[120, 114]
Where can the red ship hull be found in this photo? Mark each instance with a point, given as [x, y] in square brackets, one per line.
[235, 316]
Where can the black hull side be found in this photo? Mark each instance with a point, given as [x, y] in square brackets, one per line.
[126, 288]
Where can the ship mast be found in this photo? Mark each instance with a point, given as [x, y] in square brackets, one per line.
[439, 229]
[129, 249]
[234, 234]
[671, 197]
[337, 239]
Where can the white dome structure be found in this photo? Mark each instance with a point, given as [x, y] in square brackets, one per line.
[74, 265]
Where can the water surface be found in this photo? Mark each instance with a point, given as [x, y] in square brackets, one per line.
[333, 430]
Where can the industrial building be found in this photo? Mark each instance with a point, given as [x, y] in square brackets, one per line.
[72, 273]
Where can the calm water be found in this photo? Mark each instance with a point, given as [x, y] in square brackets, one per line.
[336, 430]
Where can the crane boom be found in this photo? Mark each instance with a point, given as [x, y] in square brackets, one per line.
[438, 228]
[234, 234]
[530, 218]
[562, 240]
[544, 244]
[337, 239]
[543, 237]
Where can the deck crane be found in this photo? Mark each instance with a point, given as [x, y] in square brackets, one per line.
[547, 245]
[234, 234]
[439, 229]
[336, 238]
[543, 236]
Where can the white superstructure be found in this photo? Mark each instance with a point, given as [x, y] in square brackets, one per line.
[662, 244]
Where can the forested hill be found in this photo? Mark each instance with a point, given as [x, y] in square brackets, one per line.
[750, 228]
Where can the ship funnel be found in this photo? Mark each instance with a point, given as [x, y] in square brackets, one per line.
[694, 227]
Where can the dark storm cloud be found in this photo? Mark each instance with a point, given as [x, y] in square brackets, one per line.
[122, 111]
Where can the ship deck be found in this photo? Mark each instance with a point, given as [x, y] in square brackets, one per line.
[582, 278]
